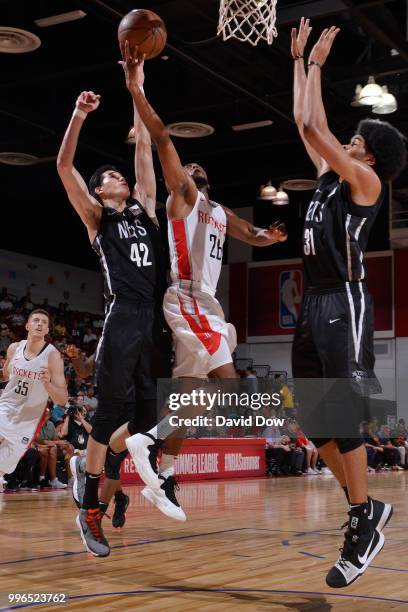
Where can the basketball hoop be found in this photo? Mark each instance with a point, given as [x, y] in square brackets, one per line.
[248, 20]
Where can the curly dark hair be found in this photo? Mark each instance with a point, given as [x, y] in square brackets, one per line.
[96, 179]
[387, 145]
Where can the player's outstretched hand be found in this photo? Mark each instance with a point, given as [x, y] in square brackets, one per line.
[278, 231]
[299, 38]
[88, 101]
[132, 64]
[72, 351]
[323, 46]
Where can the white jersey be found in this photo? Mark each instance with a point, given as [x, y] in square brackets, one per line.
[24, 399]
[196, 246]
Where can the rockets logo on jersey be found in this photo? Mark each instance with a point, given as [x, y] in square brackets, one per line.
[290, 297]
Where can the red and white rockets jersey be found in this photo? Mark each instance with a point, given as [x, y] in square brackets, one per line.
[23, 401]
[196, 245]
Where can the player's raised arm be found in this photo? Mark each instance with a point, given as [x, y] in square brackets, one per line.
[364, 183]
[298, 45]
[53, 379]
[145, 188]
[246, 232]
[86, 206]
[180, 185]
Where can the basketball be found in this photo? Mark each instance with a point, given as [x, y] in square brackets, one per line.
[144, 29]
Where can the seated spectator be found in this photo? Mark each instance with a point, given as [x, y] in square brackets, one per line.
[59, 328]
[47, 443]
[391, 454]
[311, 454]
[17, 318]
[401, 428]
[89, 337]
[6, 304]
[25, 476]
[90, 401]
[5, 337]
[282, 457]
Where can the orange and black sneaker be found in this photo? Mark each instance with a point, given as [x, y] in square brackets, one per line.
[89, 523]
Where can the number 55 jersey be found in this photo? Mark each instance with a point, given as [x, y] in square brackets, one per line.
[23, 401]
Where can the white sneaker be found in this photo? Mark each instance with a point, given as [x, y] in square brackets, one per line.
[316, 471]
[326, 471]
[310, 471]
[56, 484]
[143, 449]
[165, 499]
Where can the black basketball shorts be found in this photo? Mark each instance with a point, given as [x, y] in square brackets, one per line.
[333, 360]
[134, 351]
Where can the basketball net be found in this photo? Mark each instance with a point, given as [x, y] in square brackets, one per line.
[248, 20]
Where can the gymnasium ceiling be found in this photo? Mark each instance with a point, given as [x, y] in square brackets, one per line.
[203, 79]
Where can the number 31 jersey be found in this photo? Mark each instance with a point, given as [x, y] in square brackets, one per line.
[23, 401]
[196, 246]
[335, 234]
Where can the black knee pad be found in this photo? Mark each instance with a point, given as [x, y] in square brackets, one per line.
[345, 445]
[112, 464]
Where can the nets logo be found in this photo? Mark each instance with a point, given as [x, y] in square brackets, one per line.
[290, 297]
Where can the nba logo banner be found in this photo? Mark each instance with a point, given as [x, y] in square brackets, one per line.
[290, 297]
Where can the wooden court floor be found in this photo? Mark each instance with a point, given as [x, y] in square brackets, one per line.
[259, 544]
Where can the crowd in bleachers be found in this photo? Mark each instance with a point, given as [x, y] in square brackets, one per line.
[66, 429]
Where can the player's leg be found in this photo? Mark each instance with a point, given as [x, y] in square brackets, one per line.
[341, 324]
[115, 362]
[10, 455]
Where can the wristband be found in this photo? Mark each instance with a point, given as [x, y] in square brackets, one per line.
[298, 57]
[313, 63]
[80, 113]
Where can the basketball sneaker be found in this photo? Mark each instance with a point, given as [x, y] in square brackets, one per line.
[379, 514]
[143, 449]
[89, 523]
[165, 498]
[121, 504]
[362, 542]
[77, 465]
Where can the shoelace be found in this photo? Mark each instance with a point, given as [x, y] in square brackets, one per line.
[93, 519]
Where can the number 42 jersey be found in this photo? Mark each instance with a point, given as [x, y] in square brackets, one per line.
[196, 246]
[23, 401]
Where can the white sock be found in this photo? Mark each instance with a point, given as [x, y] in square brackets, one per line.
[42, 478]
[153, 431]
[166, 467]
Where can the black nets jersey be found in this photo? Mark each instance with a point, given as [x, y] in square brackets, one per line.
[335, 234]
[129, 246]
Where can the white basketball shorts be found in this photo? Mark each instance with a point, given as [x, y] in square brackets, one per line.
[203, 339]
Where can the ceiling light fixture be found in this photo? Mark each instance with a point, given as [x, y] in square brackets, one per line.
[45, 22]
[281, 198]
[371, 93]
[387, 105]
[190, 129]
[251, 126]
[267, 192]
[356, 100]
[14, 40]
